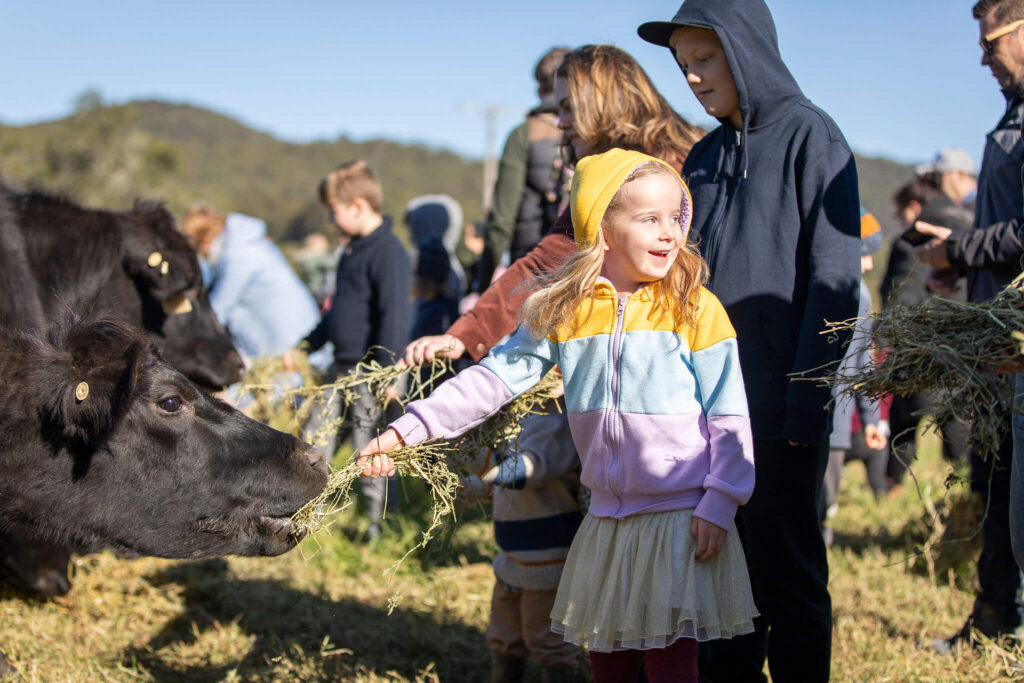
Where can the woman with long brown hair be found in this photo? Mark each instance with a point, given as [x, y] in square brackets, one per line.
[605, 99]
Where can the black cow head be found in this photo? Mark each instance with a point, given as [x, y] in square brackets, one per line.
[175, 306]
[155, 253]
[130, 265]
[104, 444]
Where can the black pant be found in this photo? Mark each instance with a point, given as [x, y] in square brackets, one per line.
[998, 573]
[875, 462]
[903, 425]
[788, 572]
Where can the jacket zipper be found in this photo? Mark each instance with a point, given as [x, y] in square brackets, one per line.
[614, 426]
[715, 233]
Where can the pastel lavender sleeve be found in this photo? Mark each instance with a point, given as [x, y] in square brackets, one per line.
[730, 481]
[454, 408]
[478, 392]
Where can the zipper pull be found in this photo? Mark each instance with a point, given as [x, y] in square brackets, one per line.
[739, 139]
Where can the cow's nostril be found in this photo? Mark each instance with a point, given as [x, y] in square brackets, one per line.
[317, 460]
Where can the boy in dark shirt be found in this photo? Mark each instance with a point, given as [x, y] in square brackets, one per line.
[370, 308]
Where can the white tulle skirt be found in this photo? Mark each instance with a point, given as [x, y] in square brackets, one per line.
[633, 583]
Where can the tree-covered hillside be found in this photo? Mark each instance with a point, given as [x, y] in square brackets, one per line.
[109, 155]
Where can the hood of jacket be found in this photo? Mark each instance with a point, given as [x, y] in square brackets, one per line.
[434, 216]
[438, 217]
[241, 229]
[596, 180]
[765, 87]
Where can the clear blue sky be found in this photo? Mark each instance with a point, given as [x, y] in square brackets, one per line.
[901, 77]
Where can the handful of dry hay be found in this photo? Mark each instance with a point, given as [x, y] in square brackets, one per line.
[952, 351]
[436, 462]
[289, 408]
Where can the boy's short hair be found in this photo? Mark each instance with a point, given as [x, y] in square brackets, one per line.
[351, 180]
[1005, 10]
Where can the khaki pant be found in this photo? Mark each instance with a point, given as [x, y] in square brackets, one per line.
[520, 626]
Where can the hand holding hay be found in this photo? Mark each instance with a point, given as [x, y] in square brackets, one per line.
[954, 351]
[433, 461]
[373, 457]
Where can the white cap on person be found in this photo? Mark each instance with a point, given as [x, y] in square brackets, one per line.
[948, 160]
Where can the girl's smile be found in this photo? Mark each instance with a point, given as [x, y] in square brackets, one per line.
[643, 238]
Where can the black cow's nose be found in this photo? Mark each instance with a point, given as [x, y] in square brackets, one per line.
[317, 460]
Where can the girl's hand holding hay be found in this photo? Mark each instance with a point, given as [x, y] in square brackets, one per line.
[426, 349]
[374, 463]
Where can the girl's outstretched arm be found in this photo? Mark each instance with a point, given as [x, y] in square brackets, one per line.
[478, 392]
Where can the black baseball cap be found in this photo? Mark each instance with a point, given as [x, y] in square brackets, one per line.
[659, 32]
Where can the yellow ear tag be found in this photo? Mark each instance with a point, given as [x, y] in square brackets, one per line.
[82, 391]
[165, 267]
[155, 259]
[176, 304]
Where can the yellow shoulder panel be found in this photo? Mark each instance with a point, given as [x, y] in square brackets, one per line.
[596, 315]
[712, 322]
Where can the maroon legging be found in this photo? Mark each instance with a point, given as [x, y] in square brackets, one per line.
[676, 663]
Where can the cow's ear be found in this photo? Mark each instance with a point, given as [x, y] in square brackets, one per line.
[94, 379]
[156, 253]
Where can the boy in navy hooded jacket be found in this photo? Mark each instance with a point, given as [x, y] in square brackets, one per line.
[777, 208]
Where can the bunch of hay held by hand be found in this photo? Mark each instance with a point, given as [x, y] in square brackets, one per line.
[958, 353]
[438, 462]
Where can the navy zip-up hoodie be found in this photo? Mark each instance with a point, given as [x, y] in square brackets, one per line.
[776, 207]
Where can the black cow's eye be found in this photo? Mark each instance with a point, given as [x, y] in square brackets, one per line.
[171, 404]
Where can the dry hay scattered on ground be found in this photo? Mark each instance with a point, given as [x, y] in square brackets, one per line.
[321, 613]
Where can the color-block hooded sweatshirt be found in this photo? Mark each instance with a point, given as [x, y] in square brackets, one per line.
[657, 411]
[777, 209]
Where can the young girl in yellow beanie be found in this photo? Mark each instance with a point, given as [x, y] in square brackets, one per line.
[658, 414]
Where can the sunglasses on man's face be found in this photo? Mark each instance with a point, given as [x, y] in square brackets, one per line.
[988, 41]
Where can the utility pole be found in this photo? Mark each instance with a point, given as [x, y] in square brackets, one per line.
[491, 113]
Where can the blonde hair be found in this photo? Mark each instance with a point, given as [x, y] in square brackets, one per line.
[556, 308]
[351, 180]
[615, 104]
[201, 226]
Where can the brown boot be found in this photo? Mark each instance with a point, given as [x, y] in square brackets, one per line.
[560, 674]
[505, 669]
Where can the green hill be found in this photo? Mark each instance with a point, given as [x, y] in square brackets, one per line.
[109, 155]
[879, 180]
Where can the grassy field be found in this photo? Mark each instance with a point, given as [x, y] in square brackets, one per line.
[322, 612]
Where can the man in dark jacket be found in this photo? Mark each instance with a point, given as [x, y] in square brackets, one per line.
[990, 255]
[777, 209]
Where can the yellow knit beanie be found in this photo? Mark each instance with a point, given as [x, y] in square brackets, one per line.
[596, 180]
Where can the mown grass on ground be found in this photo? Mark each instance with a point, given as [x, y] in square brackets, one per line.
[322, 612]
